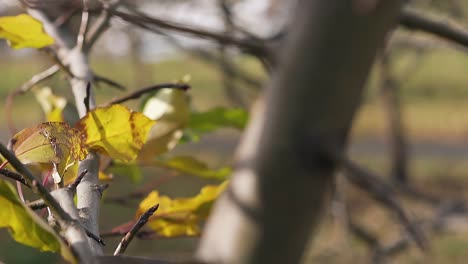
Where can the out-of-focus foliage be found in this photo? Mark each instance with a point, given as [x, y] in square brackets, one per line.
[216, 118]
[180, 216]
[23, 31]
[26, 227]
[192, 166]
[171, 109]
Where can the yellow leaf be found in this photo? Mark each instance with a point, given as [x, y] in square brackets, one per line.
[50, 142]
[72, 172]
[116, 131]
[26, 227]
[56, 108]
[23, 31]
[181, 216]
[171, 109]
[192, 166]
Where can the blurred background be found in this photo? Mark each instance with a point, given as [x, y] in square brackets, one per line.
[419, 82]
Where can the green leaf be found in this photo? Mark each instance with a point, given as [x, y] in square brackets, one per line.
[192, 166]
[23, 31]
[180, 216]
[131, 170]
[25, 226]
[214, 119]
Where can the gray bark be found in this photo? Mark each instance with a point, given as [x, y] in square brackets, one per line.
[283, 175]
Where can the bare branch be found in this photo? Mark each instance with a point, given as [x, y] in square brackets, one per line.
[101, 79]
[382, 193]
[83, 26]
[72, 187]
[36, 79]
[418, 21]
[251, 46]
[102, 23]
[13, 175]
[137, 94]
[37, 204]
[138, 225]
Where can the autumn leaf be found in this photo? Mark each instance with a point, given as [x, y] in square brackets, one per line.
[204, 122]
[50, 142]
[181, 216]
[23, 31]
[115, 131]
[72, 172]
[26, 227]
[56, 108]
[171, 109]
[193, 166]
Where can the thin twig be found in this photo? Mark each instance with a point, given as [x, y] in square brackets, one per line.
[382, 193]
[13, 175]
[83, 26]
[37, 187]
[95, 237]
[88, 96]
[419, 21]
[37, 204]
[138, 225]
[150, 89]
[101, 79]
[101, 188]
[251, 46]
[72, 186]
[36, 79]
[101, 24]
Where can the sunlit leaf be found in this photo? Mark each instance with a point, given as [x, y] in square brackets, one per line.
[72, 173]
[192, 166]
[171, 109]
[26, 227]
[56, 108]
[50, 142]
[23, 31]
[115, 131]
[180, 216]
[216, 118]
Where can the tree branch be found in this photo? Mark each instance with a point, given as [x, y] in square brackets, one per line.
[309, 107]
[15, 176]
[130, 234]
[138, 93]
[71, 228]
[418, 21]
[251, 46]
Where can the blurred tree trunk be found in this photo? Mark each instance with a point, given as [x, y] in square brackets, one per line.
[395, 129]
[284, 171]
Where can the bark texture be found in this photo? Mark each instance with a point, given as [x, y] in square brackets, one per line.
[284, 172]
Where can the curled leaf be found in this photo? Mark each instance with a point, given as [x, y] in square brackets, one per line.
[115, 131]
[26, 227]
[23, 31]
[50, 142]
[171, 109]
[181, 216]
